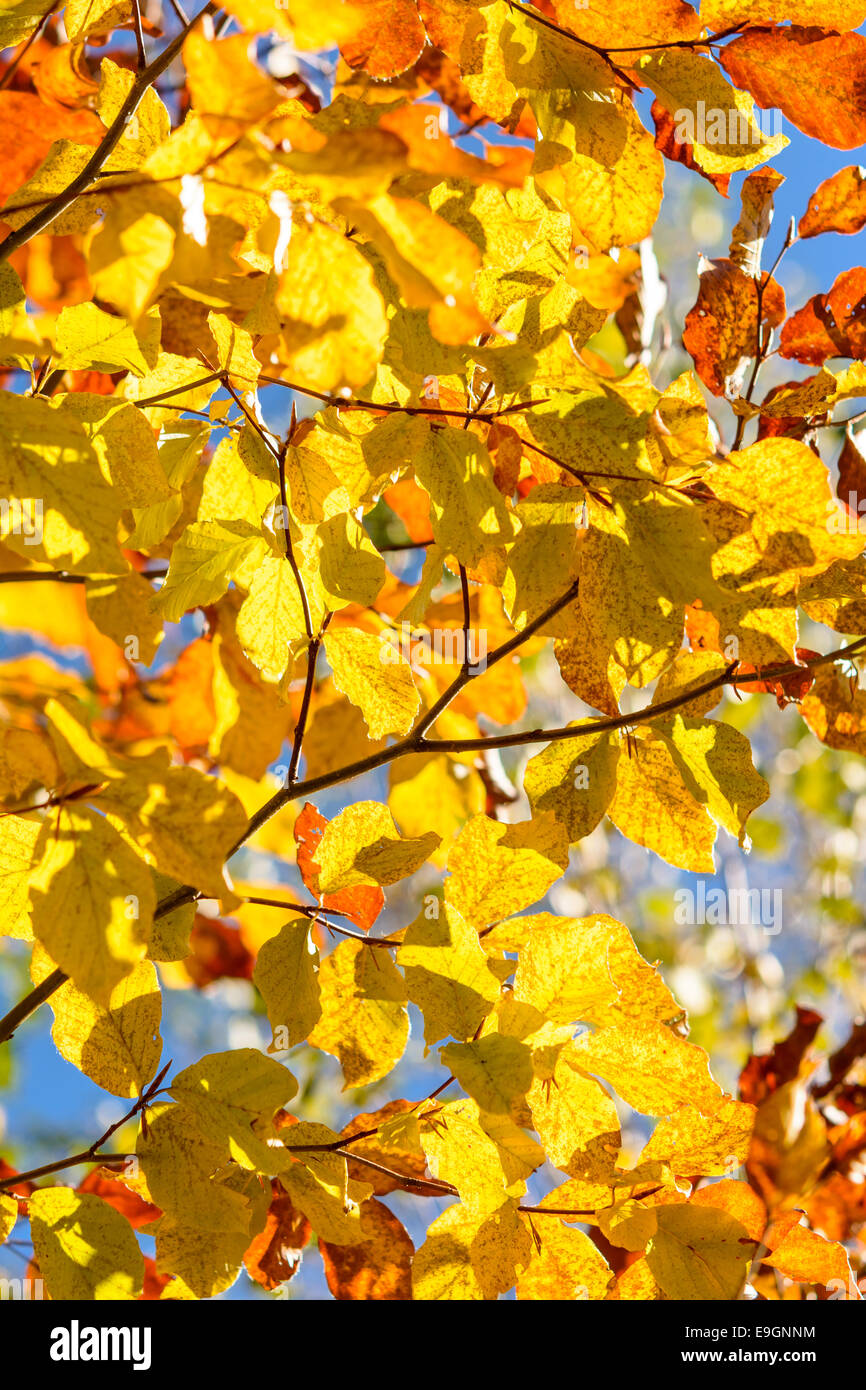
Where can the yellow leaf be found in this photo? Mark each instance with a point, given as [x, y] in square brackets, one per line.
[447, 974]
[146, 130]
[271, 624]
[716, 764]
[460, 1152]
[651, 1068]
[469, 513]
[118, 1046]
[544, 557]
[206, 1260]
[568, 1266]
[286, 976]
[225, 84]
[231, 490]
[496, 1071]
[83, 17]
[122, 609]
[68, 513]
[370, 672]
[227, 1092]
[18, 858]
[575, 780]
[92, 901]
[185, 823]
[693, 1142]
[206, 558]
[334, 323]
[234, 350]
[86, 336]
[361, 846]
[576, 1121]
[318, 1183]
[784, 490]
[85, 1249]
[470, 1256]
[655, 807]
[429, 791]
[364, 1023]
[497, 869]
[716, 120]
[8, 1216]
[698, 1253]
[589, 969]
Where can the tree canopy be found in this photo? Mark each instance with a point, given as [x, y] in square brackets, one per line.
[339, 453]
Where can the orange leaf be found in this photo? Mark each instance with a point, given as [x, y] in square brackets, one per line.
[113, 1190]
[830, 325]
[274, 1256]
[837, 205]
[814, 78]
[36, 127]
[361, 905]
[379, 1266]
[389, 39]
[218, 953]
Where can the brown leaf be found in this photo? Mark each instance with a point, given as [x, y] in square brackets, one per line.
[756, 217]
[814, 78]
[786, 689]
[842, 1060]
[379, 1266]
[218, 953]
[837, 205]
[763, 1075]
[785, 426]
[851, 487]
[407, 1163]
[721, 330]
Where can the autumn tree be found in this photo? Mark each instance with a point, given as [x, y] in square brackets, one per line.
[191, 241]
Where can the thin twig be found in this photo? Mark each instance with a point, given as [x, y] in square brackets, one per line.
[91, 1155]
[139, 35]
[26, 46]
[417, 742]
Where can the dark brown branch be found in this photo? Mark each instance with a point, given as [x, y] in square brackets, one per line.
[417, 742]
[139, 35]
[91, 1155]
[762, 347]
[143, 82]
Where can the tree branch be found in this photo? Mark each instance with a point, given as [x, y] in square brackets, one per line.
[417, 742]
[143, 81]
[91, 1155]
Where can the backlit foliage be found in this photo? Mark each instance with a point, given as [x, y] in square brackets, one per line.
[190, 238]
